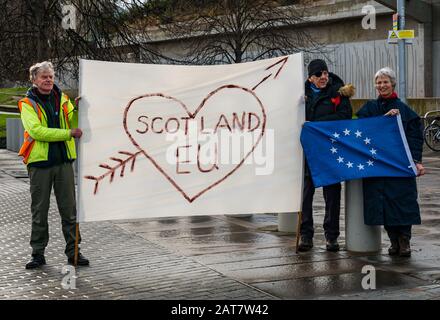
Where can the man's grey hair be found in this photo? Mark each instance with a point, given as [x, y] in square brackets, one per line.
[40, 67]
[388, 72]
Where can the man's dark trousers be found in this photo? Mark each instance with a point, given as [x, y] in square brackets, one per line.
[332, 197]
[61, 177]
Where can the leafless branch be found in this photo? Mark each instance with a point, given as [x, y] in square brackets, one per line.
[236, 31]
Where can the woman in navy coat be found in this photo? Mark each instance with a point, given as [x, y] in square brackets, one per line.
[392, 202]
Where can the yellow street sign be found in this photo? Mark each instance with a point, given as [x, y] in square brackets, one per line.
[405, 34]
[393, 35]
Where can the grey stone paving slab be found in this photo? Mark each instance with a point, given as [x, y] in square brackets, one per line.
[123, 265]
[295, 271]
[209, 257]
[336, 285]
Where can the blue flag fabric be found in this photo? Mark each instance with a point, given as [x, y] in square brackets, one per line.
[352, 149]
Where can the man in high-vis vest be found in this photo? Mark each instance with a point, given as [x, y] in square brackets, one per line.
[49, 150]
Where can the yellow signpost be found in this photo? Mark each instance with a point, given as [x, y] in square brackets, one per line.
[396, 34]
[392, 36]
[405, 34]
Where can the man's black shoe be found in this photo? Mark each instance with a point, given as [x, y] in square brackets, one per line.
[332, 245]
[37, 261]
[305, 244]
[82, 261]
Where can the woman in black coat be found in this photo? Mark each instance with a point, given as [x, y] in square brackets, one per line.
[392, 202]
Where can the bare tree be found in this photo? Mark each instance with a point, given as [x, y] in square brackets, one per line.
[32, 30]
[224, 31]
[235, 31]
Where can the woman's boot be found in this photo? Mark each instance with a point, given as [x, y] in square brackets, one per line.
[404, 246]
[394, 249]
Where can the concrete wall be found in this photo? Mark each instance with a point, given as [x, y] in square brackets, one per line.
[357, 63]
[436, 68]
[436, 49]
[357, 53]
[353, 52]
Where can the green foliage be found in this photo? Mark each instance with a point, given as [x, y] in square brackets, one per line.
[3, 118]
[10, 96]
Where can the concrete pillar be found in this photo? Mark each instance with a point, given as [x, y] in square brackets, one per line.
[287, 222]
[436, 50]
[358, 236]
[14, 134]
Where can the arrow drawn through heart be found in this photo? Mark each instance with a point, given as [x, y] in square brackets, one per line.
[131, 157]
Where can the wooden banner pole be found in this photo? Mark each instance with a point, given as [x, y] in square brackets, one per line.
[75, 263]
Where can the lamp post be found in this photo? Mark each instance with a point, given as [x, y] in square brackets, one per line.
[402, 51]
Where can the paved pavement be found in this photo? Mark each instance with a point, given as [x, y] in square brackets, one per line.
[209, 257]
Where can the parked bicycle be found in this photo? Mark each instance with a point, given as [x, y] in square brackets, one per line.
[432, 133]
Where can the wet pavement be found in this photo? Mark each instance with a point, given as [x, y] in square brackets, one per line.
[211, 257]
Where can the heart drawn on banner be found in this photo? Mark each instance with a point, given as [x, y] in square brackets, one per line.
[172, 103]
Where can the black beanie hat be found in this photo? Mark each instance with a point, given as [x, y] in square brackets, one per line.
[316, 65]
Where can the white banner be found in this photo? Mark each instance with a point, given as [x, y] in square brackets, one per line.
[163, 140]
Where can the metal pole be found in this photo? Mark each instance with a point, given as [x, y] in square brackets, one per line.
[402, 51]
[75, 259]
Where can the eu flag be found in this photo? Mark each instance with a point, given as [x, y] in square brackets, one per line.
[351, 149]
